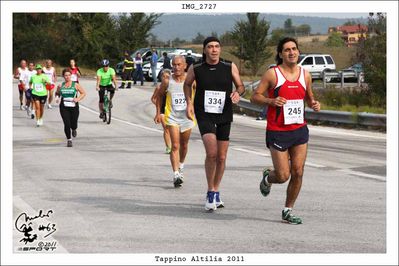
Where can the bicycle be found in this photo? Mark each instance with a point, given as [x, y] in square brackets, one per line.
[107, 107]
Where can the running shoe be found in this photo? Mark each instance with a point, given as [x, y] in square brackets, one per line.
[181, 172]
[288, 217]
[101, 115]
[177, 180]
[69, 143]
[37, 123]
[21, 107]
[210, 203]
[168, 150]
[219, 202]
[49, 106]
[181, 175]
[41, 121]
[74, 133]
[265, 188]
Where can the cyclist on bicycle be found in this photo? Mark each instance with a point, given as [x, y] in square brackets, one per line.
[105, 77]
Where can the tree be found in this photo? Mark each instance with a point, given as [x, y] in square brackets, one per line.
[288, 24]
[134, 29]
[371, 53]
[289, 28]
[86, 37]
[177, 42]
[277, 35]
[214, 34]
[198, 39]
[303, 29]
[250, 39]
[227, 38]
[351, 23]
[44, 39]
[335, 40]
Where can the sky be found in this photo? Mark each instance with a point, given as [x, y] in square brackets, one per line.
[330, 15]
[314, 14]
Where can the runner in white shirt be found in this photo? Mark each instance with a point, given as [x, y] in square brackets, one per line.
[24, 79]
[49, 70]
[17, 75]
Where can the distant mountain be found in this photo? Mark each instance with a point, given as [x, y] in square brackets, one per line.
[186, 26]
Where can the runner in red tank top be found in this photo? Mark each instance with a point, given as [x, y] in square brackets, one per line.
[291, 91]
[285, 89]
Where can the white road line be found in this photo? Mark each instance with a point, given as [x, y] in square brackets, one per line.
[333, 131]
[25, 207]
[267, 155]
[126, 122]
[375, 177]
[336, 132]
[252, 152]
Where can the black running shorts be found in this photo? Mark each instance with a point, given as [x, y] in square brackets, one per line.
[41, 99]
[101, 92]
[282, 140]
[222, 131]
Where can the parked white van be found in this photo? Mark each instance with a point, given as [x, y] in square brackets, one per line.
[317, 64]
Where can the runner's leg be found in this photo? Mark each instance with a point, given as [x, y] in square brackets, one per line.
[175, 139]
[211, 148]
[184, 138]
[298, 157]
[281, 164]
[222, 147]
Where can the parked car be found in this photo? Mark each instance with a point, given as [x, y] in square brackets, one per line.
[147, 70]
[147, 67]
[317, 64]
[354, 72]
[146, 54]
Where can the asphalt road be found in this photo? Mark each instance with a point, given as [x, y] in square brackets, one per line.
[112, 192]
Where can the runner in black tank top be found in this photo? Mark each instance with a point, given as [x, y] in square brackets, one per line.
[213, 78]
[213, 101]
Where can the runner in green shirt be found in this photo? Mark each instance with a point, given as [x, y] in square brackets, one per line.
[38, 84]
[105, 77]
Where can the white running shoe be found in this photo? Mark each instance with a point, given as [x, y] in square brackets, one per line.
[177, 180]
[41, 121]
[181, 173]
[210, 203]
[49, 106]
[218, 200]
[37, 123]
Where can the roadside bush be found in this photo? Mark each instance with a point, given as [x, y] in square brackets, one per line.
[349, 99]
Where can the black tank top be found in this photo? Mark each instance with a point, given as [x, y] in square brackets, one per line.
[213, 78]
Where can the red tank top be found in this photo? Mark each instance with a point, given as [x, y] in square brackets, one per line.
[278, 117]
[74, 73]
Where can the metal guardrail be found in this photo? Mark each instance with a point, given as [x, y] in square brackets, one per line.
[341, 75]
[349, 118]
